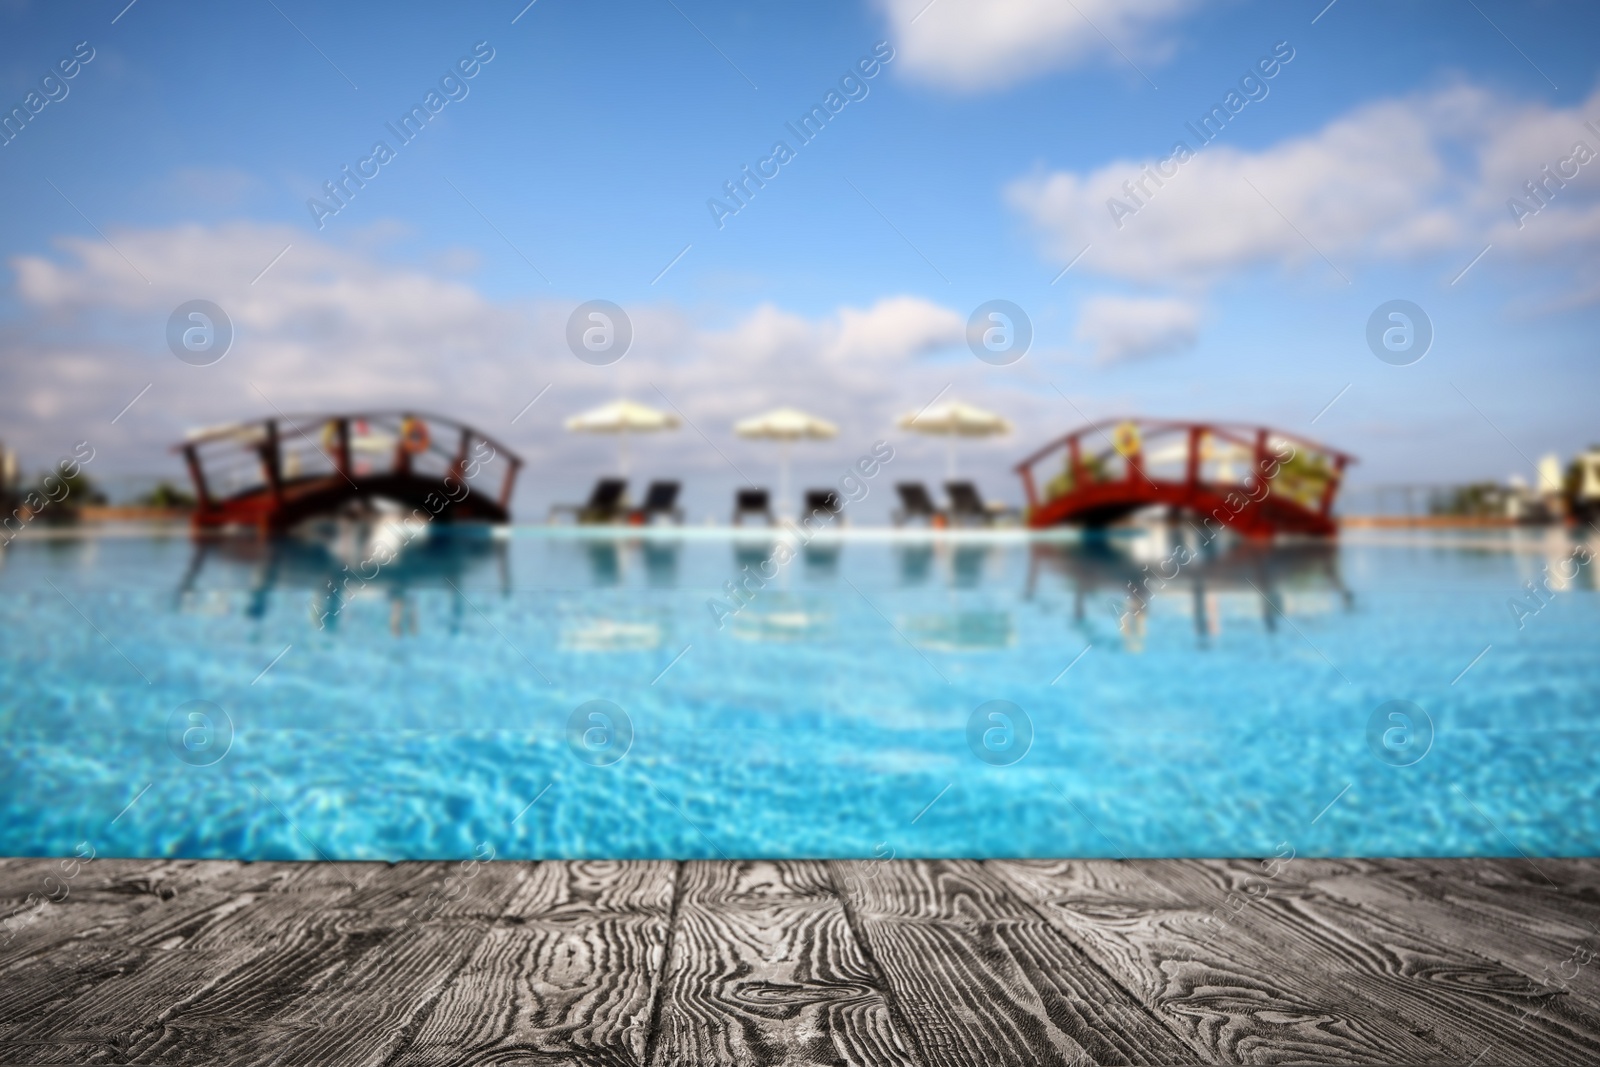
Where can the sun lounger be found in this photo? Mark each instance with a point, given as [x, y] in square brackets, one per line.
[751, 502]
[605, 503]
[661, 499]
[966, 506]
[915, 503]
[822, 503]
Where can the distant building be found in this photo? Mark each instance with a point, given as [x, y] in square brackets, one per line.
[1583, 485]
[9, 477]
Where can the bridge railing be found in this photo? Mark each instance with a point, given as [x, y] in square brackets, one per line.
[1161, 454]
[279, 454]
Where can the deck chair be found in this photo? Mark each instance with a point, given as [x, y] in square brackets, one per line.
[825, 501]
[967, 506]
[752, 502]
[661, 499]
[605, 503]
[915, 503]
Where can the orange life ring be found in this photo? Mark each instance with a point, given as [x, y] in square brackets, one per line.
[414, 435]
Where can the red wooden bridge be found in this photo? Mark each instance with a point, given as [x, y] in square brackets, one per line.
[273, 474]
[1255, 479]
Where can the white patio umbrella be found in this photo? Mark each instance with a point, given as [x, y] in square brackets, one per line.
[622, 417]
[951, 420]
[785, 425]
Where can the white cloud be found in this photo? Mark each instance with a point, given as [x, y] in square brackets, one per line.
[966, 44]
[330, 328]
[1133, 327]
[852, 365]
[325, 328]
[1393, 180]
[892, 330]
[1363, 178]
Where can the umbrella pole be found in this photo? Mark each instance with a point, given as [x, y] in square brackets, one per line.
[950, 457]
[783, 479]
[622, 453]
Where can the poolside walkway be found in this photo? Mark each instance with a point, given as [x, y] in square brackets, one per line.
[908, 962]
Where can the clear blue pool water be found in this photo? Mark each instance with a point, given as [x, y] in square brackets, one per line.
[429, 717]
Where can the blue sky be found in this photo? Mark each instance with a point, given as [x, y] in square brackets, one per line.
[581, 160]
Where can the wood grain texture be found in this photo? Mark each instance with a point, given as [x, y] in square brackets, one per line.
[1537, 930]
[1364, 985]
[174, 956]
[794, 962]
[1229, 997]
[272, 966]
[1462, 970]
[51, 907]
[387, 952]
[66, 948]
[765, 969]
[981, 978]
[568, 975]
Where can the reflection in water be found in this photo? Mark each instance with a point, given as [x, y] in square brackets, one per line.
[916, 563]
[966, 568]
[822, 561]
[336, 570]
[968, 563]
[960, 631]
[610, 635]
[605, 562]
[1568, 563]
[610, 560]
[661, 562]
[1106, 578]
[750, 555]
[781, 617]
[1125, 579]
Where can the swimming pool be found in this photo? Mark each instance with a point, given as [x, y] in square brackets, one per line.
[910, 696]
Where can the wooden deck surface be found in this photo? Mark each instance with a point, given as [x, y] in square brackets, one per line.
[908, 962]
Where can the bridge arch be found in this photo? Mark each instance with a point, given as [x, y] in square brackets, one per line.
[272, 474]
[1257, 480]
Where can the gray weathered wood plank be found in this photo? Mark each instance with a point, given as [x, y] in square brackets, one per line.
[170, 957]
[69, 946]
[281, 968]
[765, 969]
[1387, 985]
[1231, 999]
[568, 975]
[346, 986]
[1486, 965]
[53, 908]
[980, 978]
[1404, 961]
[1519, 928]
